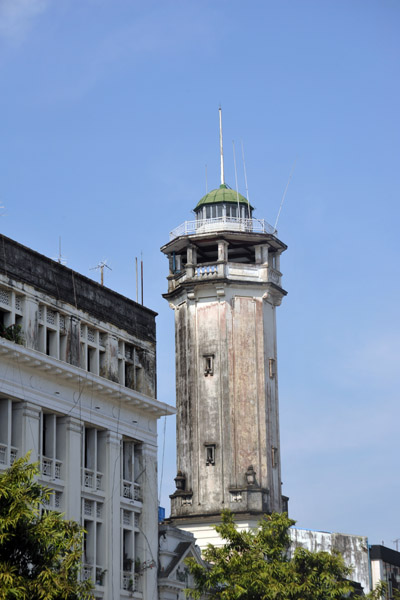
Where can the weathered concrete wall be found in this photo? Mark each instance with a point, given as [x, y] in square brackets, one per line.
[353, 548]
[25, 265]
[234, 409]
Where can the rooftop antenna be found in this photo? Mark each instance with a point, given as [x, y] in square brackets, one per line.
[137, 289]
[141, 274]
[101, 266]
[60, 259]
[245, 179]
[221, 148]
[284, 194]
[206, 181]
[236, 181]
[396, 541]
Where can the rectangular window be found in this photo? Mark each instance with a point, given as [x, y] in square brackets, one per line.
[210, 454]
[272, 370]
[274, 456]
[208, 364]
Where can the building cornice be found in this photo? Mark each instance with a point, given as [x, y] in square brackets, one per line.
[35, 360]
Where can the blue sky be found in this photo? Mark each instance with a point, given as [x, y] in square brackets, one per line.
[109, 116]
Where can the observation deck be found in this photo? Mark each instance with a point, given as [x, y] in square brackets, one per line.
[224, 223]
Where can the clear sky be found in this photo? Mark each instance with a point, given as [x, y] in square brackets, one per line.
[109, 114]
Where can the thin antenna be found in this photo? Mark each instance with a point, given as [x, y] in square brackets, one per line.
[206, 181]
[60, 259]
[141, 274]
[137, 290]
[101, 266]
[245, 179]
[236, 180]
[284, 194]
[221, 148]
[396, 541]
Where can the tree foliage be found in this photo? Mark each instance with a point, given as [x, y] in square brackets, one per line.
[256, 565]
[40, 552]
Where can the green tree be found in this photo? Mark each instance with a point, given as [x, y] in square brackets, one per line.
[256, 565]
[40, 552]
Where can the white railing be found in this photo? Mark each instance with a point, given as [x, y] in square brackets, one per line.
[274, 276]
[51, 467]
[206, 271]
[7, 458]
[92, 479]
[89, 570]
[130, 581]
[222, 224]
[131, 490]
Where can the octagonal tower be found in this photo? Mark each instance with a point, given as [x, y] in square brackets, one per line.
[224, 285]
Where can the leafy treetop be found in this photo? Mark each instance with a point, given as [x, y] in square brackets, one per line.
[256, 565]
[40, 552]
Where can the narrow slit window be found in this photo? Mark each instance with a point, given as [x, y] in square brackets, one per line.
[208, 365]
[210, 454]
[272, 369]
[274, 455]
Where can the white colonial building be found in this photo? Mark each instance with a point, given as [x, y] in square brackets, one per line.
[78, 390]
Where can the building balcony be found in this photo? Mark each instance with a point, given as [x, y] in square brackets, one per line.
[130, 581]
[230, 270]
[222, 224]
[95, 573]
[51, 467]
[8, 455]
[91, 480]
[131, 490]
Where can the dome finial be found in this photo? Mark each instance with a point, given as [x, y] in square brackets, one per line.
[221, 147]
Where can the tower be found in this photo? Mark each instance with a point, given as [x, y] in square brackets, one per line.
[224, 285]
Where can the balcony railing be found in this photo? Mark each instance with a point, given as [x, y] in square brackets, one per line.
[130, 581]
[88, 571]
[131, 490]
[8, 455]
[51, 467]
[222, 224]
[91, 479]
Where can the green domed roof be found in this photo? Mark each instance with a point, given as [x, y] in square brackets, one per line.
[222, 194]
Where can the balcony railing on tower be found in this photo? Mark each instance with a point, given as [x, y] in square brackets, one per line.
[222, 224]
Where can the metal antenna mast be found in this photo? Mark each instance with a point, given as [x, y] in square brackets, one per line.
[284, 194]
[221, 148]
[101, 266]
[245, 179]
[236, 181]
[60, 259]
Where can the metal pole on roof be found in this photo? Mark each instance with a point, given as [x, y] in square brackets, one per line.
[137, 289]
[236, 181]
[245, 179]
[221, 147]
[141, 274]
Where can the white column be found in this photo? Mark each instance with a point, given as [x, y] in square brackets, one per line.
[72, 466]
[112, 488]
[27, 420]
[148, 550]
[30, 324]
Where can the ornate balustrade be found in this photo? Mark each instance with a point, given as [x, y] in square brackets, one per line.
[131, 490]
[92, 479]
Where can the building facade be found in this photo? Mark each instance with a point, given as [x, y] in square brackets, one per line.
[385, 567]
[224, 285]
[78, 390]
